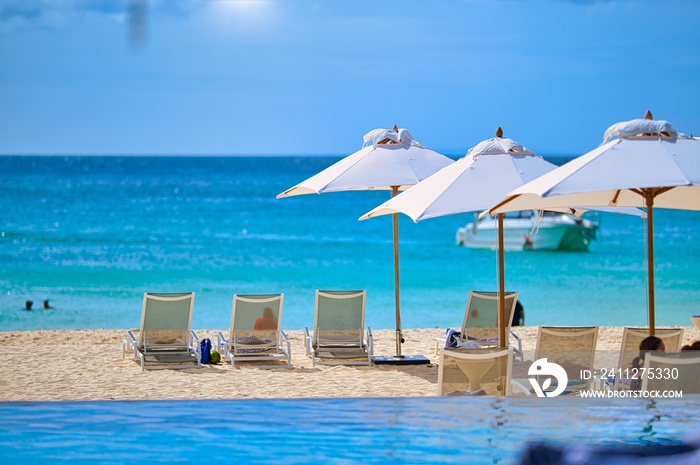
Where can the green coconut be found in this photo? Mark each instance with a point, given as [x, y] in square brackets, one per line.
[215, 357]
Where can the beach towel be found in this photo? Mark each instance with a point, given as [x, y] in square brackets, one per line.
[252, 339]
[453, 341]
[451, 338]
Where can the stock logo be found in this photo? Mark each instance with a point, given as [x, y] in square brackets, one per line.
[542, 369]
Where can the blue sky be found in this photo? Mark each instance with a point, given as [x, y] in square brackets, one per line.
[312, 77]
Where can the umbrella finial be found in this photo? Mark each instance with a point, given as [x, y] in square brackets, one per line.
[499, 132]
[395, 128]
[648, 115]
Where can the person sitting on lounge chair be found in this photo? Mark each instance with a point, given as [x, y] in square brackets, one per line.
[650, 344]
[266, 321]
[693, 346]
[518, 314]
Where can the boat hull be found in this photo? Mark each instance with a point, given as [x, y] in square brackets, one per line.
[554, 232]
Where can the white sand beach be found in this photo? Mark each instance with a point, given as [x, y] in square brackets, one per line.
[88, 365]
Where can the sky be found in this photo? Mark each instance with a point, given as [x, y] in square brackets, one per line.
[311, 77]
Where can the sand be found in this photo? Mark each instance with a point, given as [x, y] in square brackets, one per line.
[88, 365]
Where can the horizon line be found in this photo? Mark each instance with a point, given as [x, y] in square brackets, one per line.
[227, 155]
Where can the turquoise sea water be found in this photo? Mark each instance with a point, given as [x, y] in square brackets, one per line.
[475, 430]
[93, 233]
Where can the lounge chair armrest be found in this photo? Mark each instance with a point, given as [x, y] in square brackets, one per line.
[519, 352]
[519, 386]
[308, 342]
[370, 341]
[221, 341]
[520, 343]
[196, 346]
[132, 342]
[439, 342]
[284, 338]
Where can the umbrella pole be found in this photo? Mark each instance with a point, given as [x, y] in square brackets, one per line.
[398, 359]
[501, 285]
[649, 198]
[399, 333]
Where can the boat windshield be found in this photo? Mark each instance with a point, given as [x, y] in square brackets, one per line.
[519, 214]
[530, 214]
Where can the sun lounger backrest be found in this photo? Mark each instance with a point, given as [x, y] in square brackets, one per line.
[259, 315]
[481, 315]
[629, 347]
[677, 372]
[572, 347]
[166, 318]
[470, 371]
[631, 337]
[340, 315]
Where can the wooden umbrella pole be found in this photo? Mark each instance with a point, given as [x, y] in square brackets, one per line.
[399, 333]
[501, 285]
[649, 198]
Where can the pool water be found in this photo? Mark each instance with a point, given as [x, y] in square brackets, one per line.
[471, 430]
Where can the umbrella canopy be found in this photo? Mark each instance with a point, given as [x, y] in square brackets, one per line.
[475, 182]
[646, 164]
[389, 160]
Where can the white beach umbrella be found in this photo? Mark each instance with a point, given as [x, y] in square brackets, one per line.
[389, 160]
[641, 163]
[475, 182]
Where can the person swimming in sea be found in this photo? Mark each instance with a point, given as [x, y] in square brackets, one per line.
[46, 305]
[28, 305]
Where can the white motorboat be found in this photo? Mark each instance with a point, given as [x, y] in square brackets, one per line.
[530, 230]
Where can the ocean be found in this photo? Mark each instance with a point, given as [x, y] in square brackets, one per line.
[92, 234]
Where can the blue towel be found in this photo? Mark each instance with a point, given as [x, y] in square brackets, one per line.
[452, 338]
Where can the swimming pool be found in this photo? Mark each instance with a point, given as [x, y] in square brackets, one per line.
[364, 430]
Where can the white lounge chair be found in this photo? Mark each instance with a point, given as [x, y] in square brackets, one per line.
[571, 347]
[255, 334]
[484, 371]
[629, 349]
[338, 336]
[480, 322]
[672, 372]
[165, 338]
